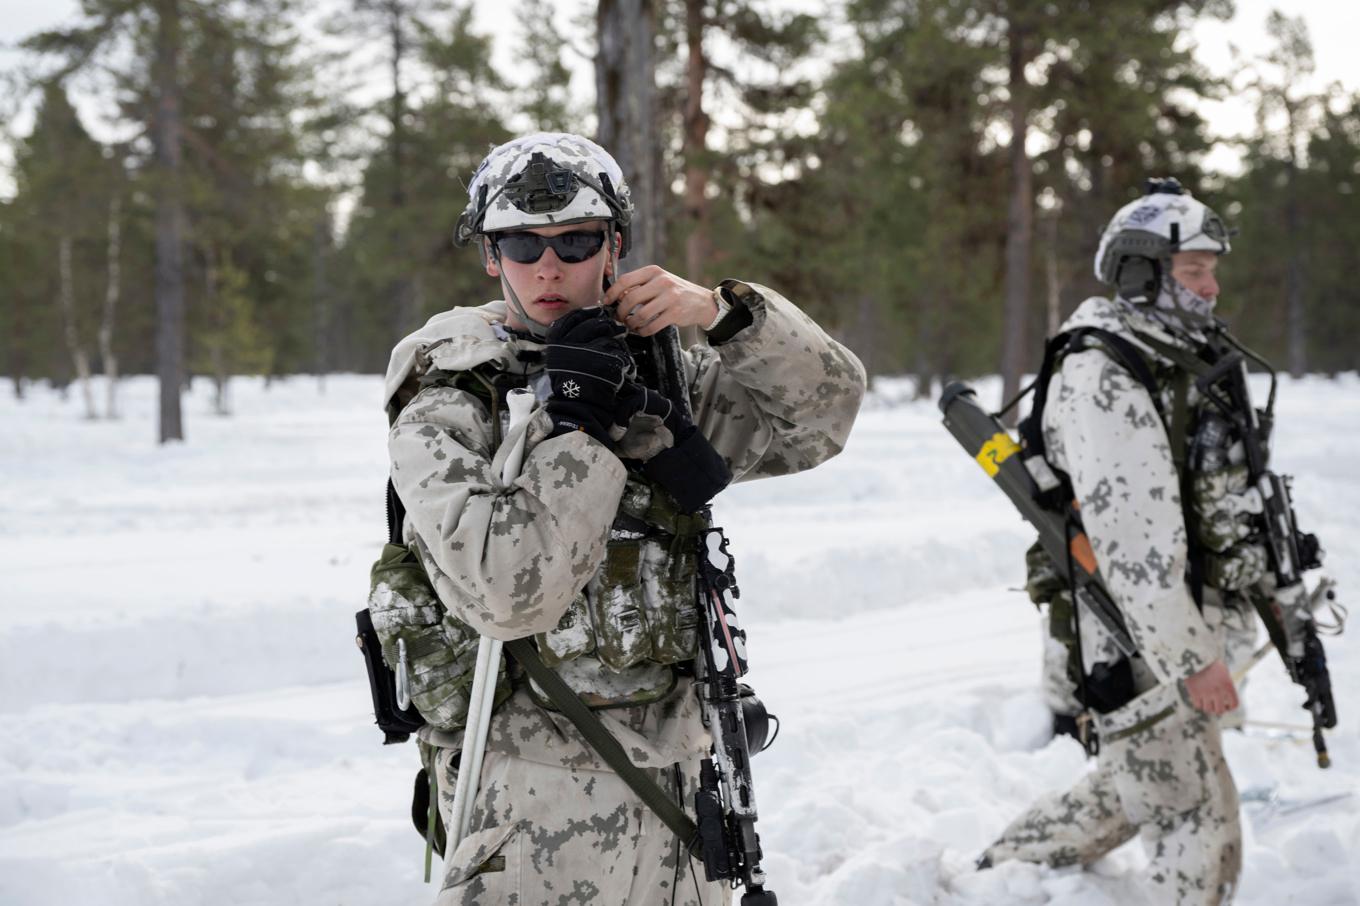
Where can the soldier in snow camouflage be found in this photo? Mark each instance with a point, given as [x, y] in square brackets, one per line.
[1161, 770]
[585, 552]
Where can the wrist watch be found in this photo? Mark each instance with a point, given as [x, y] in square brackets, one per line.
[723, 308]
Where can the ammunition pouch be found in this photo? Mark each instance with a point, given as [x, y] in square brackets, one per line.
[619, 642]
[440, 651]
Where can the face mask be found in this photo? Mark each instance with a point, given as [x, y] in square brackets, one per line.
[1178, 307]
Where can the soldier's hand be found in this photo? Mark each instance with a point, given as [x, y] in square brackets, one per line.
[651, 299]
[1211, 690]
[587, 363]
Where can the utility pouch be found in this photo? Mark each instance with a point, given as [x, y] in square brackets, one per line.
[1110, 687]
[617, 607]
[396, 723]
[1043, 581]
[436, 652]
[668, 597]
[571, 638]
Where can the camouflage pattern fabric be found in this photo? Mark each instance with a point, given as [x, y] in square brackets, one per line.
[510, 560]
[573, 152]
[1161, 767]
[1161, 775]
[1224, 506]
[546, 836]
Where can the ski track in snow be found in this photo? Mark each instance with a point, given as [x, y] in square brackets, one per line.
[187, 720]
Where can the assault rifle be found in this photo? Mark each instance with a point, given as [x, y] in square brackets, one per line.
[1288, 616]
[725, 804]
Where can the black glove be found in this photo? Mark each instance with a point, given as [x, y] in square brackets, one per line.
[637, 399]
[587, 362]
[690, 470]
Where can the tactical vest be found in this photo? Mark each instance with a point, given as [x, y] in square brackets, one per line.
[1197, 448]
[620, 642]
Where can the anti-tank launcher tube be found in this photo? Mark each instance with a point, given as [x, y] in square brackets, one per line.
[1025, 481]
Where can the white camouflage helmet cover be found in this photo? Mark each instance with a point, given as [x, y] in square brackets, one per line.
[493, 209]
[1157, 225]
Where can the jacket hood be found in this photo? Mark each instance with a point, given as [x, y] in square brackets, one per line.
[455, 340]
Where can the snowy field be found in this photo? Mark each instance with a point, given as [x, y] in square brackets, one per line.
[186, 719]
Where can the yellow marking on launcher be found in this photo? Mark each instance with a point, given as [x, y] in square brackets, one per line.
[996, 451]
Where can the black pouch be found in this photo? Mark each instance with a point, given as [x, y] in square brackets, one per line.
[1110, 687]
[397, 724]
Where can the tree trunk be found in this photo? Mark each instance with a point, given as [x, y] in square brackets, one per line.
[66, 302]
[218, 320]
[1019, 224]
[625, 82]
[928, 361]
[1296, 322]
[15, 299]
[169, 222]
[111, 291]
[321, 240]
[403, 303]
[866, 331]
[1051, 274]
[698, 243]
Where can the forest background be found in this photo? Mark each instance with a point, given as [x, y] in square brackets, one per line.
[272, 188]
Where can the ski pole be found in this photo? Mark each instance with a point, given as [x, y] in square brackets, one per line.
[482, 698]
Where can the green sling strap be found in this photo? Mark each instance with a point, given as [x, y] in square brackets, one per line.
[603, 742]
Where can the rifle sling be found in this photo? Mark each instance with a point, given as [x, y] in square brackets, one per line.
[604, 743]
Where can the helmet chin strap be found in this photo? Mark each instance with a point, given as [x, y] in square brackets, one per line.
[539, 331]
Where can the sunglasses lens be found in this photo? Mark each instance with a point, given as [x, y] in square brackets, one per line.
[522, 248]
[570, 248]
[578, 246]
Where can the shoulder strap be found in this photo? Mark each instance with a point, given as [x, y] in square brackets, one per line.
[604, 743]
[1120, 349]
[1181, 358]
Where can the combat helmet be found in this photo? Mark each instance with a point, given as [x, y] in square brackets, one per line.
[545, 179]
[1135, 250]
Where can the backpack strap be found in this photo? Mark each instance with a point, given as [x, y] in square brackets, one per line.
[1121, 350]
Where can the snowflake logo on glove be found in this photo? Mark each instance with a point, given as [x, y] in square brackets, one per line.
[571, 389]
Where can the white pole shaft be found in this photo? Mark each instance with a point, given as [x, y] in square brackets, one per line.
[482, 698]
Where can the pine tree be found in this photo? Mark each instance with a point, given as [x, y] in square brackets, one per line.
[63, 191]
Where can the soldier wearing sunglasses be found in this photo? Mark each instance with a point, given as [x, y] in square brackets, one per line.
[589, 551]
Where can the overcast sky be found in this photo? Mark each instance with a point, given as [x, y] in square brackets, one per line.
[1334, 26]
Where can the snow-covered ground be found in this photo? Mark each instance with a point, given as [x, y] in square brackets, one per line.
[186, 719]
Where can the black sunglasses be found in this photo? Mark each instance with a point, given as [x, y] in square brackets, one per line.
[570, 248]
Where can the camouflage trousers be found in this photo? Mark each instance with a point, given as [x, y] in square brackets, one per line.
[1161, 774]
[545, 835]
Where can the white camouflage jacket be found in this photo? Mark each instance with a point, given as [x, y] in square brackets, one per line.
[1102, 428]
[777, 398]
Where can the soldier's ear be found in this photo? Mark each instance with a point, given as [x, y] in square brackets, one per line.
[488, 261]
